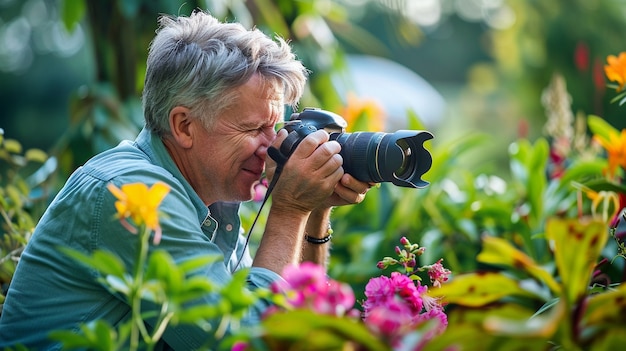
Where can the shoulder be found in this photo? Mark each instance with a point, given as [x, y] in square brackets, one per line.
[125, 159]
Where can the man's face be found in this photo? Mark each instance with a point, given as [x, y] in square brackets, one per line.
[231, 154]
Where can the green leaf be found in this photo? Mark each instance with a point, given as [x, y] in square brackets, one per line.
[15, 196]
[195, 287]
[539, 326]
[104, 262]
[97, 335]
[582, 170]
[479, 289]
[577, 246]
[237, 293]
[599, 126]
[306, 330]
[72, 11]
[162, 267]
[12, 146]
[194, 263]
[272, 17]
[536, 182]
[547, 306]
[36, 155]
[118, 284]
[500, 252]
[605, 185]
[606, 309]
[104, 335]
[107, 263]
[198, 313]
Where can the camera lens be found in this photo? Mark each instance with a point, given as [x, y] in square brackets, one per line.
[406, 160]
[398, 157]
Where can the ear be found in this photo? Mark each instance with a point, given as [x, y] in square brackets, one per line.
[181, 126]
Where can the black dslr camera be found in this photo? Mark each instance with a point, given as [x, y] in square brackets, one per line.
[398, 157]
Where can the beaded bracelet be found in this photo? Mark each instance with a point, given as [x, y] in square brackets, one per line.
[319, 241]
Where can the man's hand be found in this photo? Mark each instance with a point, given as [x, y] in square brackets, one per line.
[348, 191]
[310, 176]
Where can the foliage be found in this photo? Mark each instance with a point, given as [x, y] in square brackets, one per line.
[540, 237]
[318, 312]
[24, 190]
[529, 246]
[154, 278]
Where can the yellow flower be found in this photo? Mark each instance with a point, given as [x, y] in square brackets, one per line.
[140, 203]
[363, 114]
[616, 69]
[615, 147]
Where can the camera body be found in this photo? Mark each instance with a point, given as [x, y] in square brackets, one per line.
[399, 157]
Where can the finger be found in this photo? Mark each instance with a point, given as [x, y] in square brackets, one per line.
[356, 185]
[310, 143]
[347, 195]
[327, 155]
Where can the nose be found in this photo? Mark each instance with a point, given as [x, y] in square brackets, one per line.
[266, 140]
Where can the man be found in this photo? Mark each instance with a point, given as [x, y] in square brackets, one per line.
[213, 95]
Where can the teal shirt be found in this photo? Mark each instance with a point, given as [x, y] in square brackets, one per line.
[50, 291]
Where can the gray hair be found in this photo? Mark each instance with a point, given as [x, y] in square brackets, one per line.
[197, 62]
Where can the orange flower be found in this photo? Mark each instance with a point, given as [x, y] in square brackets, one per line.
[616, 69]
[609, 201]
[141, 204]
[615, 147]
[363, 114]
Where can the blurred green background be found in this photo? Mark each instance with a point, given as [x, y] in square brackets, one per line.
[71, 74]
[473, 72]
[70, 71]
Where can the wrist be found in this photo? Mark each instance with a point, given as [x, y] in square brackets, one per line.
[320, 239]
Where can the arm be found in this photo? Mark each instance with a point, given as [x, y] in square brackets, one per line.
[317, 227]
[345, 190]
[348, 191]
[308, 179]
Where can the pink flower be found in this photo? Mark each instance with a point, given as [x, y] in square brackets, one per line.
[438, 274]
[260, 189]
[378, 291]
[434, 314]
[409, 291]
[398, 288]
[306, 286]
[337, 299]
[301, 282]
[239, 346]
[396, 305]
[392, 321]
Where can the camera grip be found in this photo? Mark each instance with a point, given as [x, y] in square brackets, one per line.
[294, 138]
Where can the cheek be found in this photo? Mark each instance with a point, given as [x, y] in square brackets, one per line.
[243, 148]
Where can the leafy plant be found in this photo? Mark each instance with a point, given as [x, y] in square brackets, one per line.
[24, 190]
[166, 286]
[315, 312]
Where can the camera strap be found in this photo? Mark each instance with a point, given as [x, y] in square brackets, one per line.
[280, 156]
[280, 160]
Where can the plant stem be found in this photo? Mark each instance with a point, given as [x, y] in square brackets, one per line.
[137, 326]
